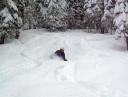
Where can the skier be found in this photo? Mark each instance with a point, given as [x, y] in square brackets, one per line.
[60, 53]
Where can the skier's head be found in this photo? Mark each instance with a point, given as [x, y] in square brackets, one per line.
[62, 49]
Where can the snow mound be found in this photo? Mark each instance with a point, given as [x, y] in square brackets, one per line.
[66, 72]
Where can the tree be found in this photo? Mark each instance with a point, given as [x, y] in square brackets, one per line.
[29, 14]
[121, 19]
[92, 15]
[107, 19]
[75, 13]
[56, 15]
[42, 12]
[10, 20]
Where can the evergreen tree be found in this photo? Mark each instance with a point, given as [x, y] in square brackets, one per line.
[10, 20]
[56, 15]
[29, 14]
[52, 14]
[75, 13]
[42, 12]
[121, 18]
[97, 17]
[92, 15]
[107, 19]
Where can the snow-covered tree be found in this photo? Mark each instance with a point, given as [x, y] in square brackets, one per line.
[52, 14]
[56, 15]
[10, 20]
[75, 13]
[121, 18]
[92, 14]
[71, 14]
[29, 14]
[107, 18]
[88, 14]
[97, 17]
[42, 12]
[21, 5]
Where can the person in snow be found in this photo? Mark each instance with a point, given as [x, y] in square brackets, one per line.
[60, 53]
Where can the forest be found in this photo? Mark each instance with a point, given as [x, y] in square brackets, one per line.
[102, 16]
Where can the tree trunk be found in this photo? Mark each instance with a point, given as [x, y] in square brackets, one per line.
[17, 35]
[102, 30]
[2, 39]
[101, 15]
[126, 37]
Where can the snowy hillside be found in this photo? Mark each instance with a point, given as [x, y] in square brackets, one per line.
[97, 65]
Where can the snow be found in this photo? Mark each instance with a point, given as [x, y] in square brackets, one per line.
[5, 13]
[12, 5]
[117, 10]
[126, 9]
[89, 11]
[120, 1]
[96, 66]
[97, 8]
[120, 16]
[107, 13]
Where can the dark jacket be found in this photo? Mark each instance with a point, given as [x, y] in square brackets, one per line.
[60, 53]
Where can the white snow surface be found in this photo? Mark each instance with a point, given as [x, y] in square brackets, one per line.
[97, 65]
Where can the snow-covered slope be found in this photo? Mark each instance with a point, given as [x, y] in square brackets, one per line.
[96, 66]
